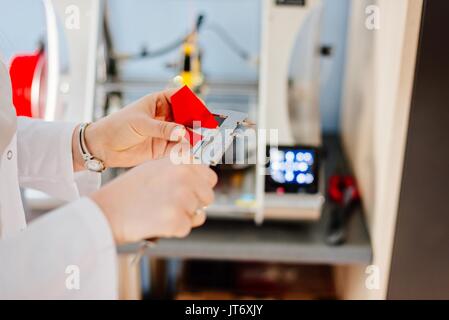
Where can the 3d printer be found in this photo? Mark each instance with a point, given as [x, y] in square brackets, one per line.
[277, 178]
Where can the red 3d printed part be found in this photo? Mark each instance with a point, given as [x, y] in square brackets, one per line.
[187, 109]
[193, 137]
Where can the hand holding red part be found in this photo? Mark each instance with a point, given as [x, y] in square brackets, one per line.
[188, 110]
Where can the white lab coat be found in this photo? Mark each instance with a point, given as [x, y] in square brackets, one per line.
[46, 259]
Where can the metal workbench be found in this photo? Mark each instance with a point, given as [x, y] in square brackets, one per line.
[243, 241]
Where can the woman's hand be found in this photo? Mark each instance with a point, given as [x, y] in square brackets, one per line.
[141, 131]
[156, 199]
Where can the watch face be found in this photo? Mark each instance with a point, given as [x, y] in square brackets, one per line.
[94, 165]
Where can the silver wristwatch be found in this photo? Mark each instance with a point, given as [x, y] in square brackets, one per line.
[90, 162]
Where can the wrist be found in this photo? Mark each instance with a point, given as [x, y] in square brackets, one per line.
[110, 214]
[95, 142]
[77, 159]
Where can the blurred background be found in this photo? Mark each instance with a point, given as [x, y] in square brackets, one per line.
[334, 78]
[154, 24]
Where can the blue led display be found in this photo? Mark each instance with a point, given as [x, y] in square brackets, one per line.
[292, 166]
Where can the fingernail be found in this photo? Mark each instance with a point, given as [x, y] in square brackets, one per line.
[178, 133]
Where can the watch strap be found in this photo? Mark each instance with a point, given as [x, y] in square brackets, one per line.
[84, 151]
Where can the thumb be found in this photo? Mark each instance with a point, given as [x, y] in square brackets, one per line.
[166, 130]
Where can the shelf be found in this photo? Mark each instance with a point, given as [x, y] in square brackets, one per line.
[271, 242]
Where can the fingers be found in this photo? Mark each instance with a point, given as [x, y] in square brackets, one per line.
[184, 226]
[192, 213]
[187, 222]
[158, 147]
[200, 179]
[189, 192]
[198, 219]
[160, 117]
[206, 173]
[197, 192]
[204, 193]
[195, 197]
[179, 153]
[168, 93]
[162, 101]
[177, 149]
[169, 131]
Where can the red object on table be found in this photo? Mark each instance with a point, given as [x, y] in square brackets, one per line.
[22, 72]
[187, 108]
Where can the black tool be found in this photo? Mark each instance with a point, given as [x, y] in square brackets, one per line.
[345, 198]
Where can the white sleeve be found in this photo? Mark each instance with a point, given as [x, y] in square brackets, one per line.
[44, 153]
[69, 253]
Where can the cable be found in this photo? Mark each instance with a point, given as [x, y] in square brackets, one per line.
[228, 40]
[145, 53]
[213, 27]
